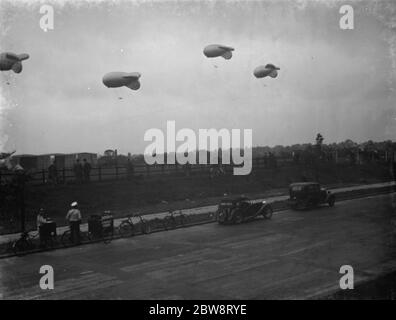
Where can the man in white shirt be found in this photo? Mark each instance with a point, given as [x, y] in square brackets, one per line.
[74, 219]
[40, 220]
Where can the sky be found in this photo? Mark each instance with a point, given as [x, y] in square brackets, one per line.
[340, 83]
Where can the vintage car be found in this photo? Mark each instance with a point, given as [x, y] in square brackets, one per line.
[305, 195]
[239, 209]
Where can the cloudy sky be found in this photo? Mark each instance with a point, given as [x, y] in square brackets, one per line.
[337, 82]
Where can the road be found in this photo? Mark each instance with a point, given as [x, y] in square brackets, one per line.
[5, 238]
[296, 255]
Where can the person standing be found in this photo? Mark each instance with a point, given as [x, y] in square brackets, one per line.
[73, 217]
[86, 170]
[130, 169]
[40, 221]
[53, 173]
[78, 171]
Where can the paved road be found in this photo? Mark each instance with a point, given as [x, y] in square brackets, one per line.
[5, 238]
[295, 255]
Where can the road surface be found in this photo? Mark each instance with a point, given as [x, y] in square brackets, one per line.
[6, 238]
[296, 255]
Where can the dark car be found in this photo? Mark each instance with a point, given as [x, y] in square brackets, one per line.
[309, 194]
[240, 209]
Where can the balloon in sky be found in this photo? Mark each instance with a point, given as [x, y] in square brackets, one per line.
[12, 61]
[267, 70]
[217, 50]
[121, 79]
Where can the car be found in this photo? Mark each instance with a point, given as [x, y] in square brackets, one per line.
[240, 209]
[304, 195]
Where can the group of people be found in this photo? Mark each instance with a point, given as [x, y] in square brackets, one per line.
[73, 217]
[82, 172]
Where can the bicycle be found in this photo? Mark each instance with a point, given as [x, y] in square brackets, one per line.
[156, 224]
[127, 228]
[24, 243]
[175, 219]
[106, 235]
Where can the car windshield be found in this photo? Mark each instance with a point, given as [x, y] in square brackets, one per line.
[296, 188]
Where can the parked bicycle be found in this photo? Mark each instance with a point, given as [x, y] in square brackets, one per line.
[24, 243]
[27, 240]
[175, 219]
[129, 226]
[156, 223]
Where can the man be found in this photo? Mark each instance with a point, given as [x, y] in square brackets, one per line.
[74, 219]
[40, 220]
[78, 171]
[52, 173]
[130, 169]
[86, 170]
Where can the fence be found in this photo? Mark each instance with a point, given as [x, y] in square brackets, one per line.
[147, 172]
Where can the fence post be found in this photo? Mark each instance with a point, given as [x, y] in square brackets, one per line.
[43, 175]
[116, 172]
[100, 173]
[148, 169]
[64, 175]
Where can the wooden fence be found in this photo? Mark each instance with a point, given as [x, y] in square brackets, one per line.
[147, 172]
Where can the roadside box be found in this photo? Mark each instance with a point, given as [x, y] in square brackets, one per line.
[48, 229]
[107, 222]
[95, 225]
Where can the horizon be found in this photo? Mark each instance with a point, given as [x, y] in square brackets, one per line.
[202, 150]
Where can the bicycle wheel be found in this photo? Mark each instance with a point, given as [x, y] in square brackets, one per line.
[50, 242]
[21, 246]
[183, 220]
[146, 227]
[169, 223]
[267, 212]
[126, 229]
[66, 239]
[157, 224]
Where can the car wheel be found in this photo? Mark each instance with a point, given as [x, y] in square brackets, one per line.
[300, 206]
[238, 218]
[146, 228]
[331, 202]
[267, 213]
[220, 217]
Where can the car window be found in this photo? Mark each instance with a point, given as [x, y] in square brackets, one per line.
[297, 188]
[312, 188]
